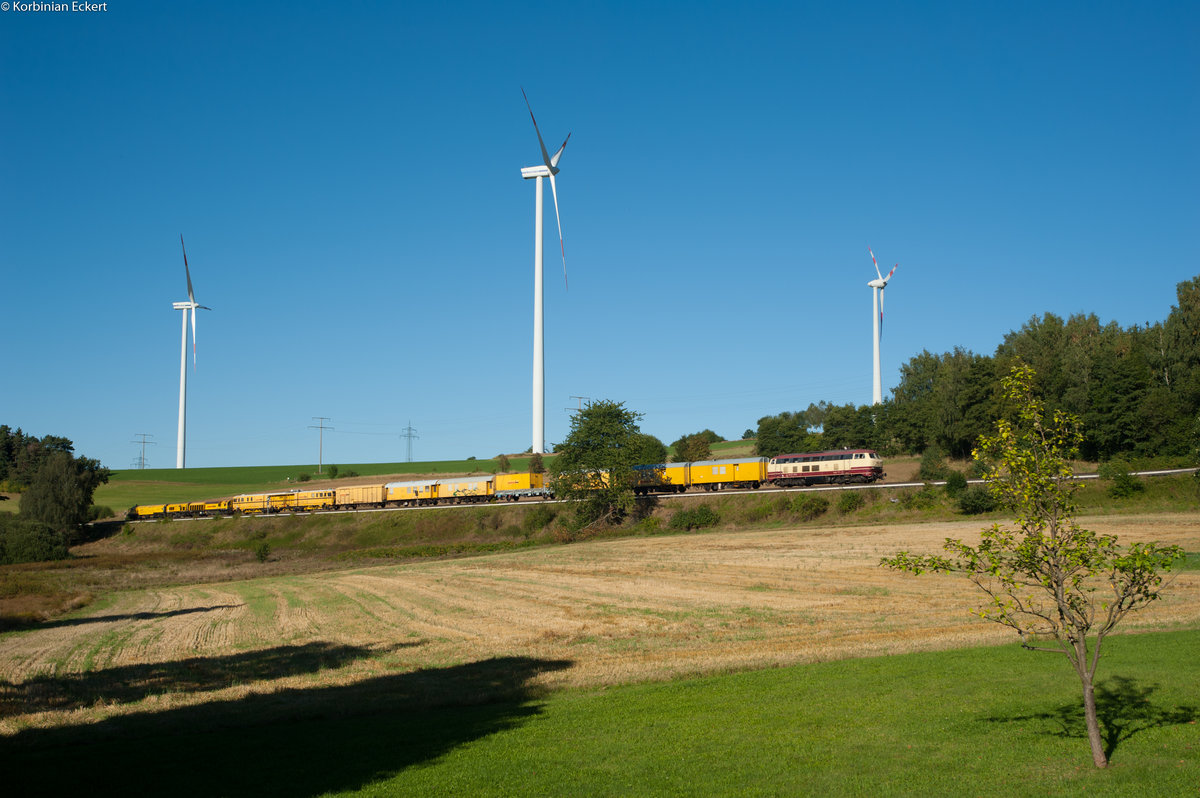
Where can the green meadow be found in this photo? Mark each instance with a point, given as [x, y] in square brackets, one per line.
[159, 485]
[981, 722]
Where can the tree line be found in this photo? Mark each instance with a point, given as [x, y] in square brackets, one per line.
[56, 494]
[1136, 390]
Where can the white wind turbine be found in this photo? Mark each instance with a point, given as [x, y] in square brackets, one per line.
[878, 286]
[191, 305]
[548, 168]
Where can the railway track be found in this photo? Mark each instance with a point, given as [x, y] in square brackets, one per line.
[766, 489]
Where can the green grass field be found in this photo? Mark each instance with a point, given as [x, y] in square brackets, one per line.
[158, 485]
[980, 722]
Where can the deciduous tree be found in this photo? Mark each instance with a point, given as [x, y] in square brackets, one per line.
[648, 450]
[61, 490]
[1062, 588]
[595, 464]
[786, 432]
[691, 448]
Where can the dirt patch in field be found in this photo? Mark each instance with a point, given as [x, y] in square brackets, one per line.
[618, 610]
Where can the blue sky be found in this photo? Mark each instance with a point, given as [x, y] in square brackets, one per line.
[346, 177]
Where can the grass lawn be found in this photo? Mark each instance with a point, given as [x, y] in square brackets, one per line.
[982, 722]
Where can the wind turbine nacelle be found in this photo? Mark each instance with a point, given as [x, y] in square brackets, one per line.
[530, 172]
[182, 305]
[877, 284]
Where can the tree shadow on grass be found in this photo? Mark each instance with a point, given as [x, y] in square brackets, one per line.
[129, 683]
[135, 616]
[295, 742]
[1124, 709]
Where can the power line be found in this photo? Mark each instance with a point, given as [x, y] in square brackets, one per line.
[321, 440]
[409, 433]
[141, 461]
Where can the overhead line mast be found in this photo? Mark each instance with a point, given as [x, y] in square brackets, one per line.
[321, 439]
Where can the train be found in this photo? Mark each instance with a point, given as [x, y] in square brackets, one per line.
[840, 467]
[410, 493]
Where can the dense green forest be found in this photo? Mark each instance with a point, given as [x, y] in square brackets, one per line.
[1136, 389]
[21, 456]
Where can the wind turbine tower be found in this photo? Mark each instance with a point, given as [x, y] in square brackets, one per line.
[877, 287]
[190, 305]
[548, 168]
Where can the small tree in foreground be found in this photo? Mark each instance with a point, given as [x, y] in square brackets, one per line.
[1049, 580]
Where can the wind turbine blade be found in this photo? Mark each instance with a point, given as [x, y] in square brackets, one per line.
[186, 270]
[542, 144]
[554, 158]
[193, 338]
[557, 218]
[893, 271]
[876, 264]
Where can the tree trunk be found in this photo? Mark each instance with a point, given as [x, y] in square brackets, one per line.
[1093, 724]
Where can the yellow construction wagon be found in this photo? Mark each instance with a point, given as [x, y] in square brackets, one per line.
[357, 496]
[262, 502]
[742, 472]
[661, 478]
[314, 499]
[460, 490]
[411, 493]
[141, 512]
[512, 487]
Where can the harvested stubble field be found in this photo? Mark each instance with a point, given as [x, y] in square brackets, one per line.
[597, 613]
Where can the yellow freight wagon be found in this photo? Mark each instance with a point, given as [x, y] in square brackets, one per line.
[711, 474]
[510, 482]
[177, 509]
[662, 478]
[466, 489]
[752, 471]
[511, 487]
[216, 508]
[143, 511]
[743, 472]
[412, 493]
[361, 496]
